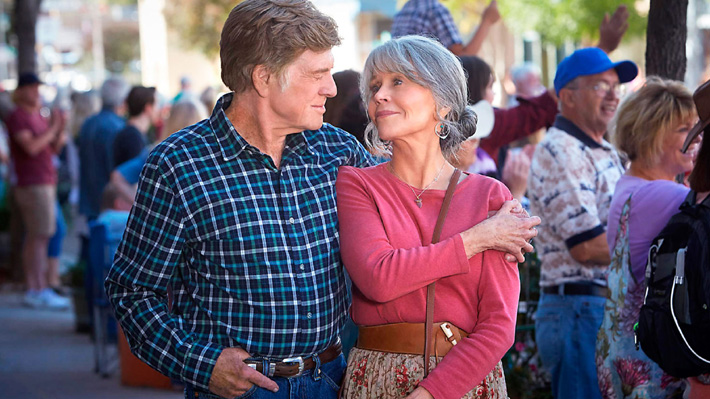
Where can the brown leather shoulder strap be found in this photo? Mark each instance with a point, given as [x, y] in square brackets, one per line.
[428, 332]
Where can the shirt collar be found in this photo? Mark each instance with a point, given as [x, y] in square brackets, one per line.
[232, 144]
[573, 130]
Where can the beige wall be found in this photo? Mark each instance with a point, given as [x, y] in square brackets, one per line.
[201, 70]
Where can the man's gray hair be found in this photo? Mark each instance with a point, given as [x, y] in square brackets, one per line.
[427, 63]
[114, 92]
[519, 72]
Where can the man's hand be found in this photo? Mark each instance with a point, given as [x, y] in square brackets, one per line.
[58, 120]
[231, 377]
[515, 173]
[491, 15]
[612, 29]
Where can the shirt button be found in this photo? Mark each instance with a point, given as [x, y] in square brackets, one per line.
[309, 315]
[301, 267]
[291, 221]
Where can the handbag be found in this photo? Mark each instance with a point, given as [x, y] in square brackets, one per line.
[429, 324]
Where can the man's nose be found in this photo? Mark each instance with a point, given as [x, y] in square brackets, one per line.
[330, 89]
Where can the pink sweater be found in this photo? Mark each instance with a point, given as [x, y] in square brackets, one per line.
[385, 242]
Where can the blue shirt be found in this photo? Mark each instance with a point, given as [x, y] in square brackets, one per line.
[251, 251]
[115, 222]
[96, 159]
[426, 18]
[131, 169]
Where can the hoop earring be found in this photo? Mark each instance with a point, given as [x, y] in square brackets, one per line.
[440, 132]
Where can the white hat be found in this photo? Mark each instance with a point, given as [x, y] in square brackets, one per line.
[486, 119]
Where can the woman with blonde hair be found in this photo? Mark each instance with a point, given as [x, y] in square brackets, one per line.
[415, 92]
[183, 113]
[651, 127]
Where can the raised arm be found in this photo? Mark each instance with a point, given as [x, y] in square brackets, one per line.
[490, 16]
[515, 123]
[612, 30]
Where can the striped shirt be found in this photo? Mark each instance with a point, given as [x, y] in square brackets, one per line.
[426, 18]
[250, 251]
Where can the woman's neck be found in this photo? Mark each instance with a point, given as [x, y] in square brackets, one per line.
[656, 172]
[420, 168]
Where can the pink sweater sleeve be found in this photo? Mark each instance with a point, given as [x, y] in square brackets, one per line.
[467, 364]
[382, 272]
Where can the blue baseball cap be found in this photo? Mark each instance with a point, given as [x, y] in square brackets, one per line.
[590, 61]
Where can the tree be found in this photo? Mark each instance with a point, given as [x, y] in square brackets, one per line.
[24, 24]
[665, 40]
[120, 47]
[199, 22]
[556, 21]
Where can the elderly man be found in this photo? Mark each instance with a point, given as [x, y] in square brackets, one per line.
[237, 215]
[572, 179]
[528, 82]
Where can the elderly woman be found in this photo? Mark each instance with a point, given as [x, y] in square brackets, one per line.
[651, 128]
[415, 91]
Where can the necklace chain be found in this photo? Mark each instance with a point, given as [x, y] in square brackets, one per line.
[418, 199]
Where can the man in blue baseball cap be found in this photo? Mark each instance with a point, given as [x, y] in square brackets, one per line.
[572, 178]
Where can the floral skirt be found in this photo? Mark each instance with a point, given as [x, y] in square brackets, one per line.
[373, 374]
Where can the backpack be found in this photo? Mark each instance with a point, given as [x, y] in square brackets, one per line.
[674, 322]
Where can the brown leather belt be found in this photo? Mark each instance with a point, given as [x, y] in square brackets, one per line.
[408, 338]
[293, 366]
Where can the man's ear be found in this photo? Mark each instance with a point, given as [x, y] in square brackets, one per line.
[566, 98]
[260, 77]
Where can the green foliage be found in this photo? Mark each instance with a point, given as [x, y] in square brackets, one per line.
[122, 2]
[120, 47]
[75, 275]
[556, 21]
[199, 22]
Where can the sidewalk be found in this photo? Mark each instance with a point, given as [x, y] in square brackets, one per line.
[42, 357]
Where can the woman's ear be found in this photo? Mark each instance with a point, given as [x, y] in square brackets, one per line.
[443, 112]
[260, 78]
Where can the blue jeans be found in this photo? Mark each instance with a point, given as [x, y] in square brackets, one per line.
[323, 382]
[566, 329]
[55, 243]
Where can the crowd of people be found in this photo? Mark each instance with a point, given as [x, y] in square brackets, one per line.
[60, 160]
[256, 232]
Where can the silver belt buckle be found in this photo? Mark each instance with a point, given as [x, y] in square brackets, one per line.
[298, 360]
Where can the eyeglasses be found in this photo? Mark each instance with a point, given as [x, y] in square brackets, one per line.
[601, 89]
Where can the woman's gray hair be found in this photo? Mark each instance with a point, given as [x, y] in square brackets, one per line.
[427, 63]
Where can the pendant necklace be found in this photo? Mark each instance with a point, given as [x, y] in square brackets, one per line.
[418, 198]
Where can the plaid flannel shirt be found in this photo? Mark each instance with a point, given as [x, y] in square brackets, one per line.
[426, 18]
[250, 251]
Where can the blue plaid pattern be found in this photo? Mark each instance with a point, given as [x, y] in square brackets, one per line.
[250, 251]
[426, 18]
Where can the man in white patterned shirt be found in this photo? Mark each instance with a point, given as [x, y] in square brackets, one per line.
[572, 179]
